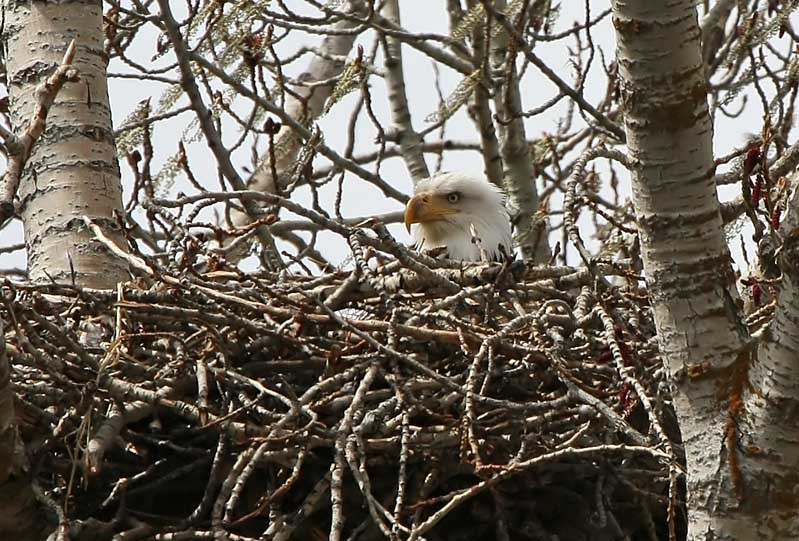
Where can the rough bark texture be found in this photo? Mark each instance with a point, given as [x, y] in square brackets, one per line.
[519, 176]
[480, 110]
[771, 424]
[72, 170]
[408, 139]
[686, 259]
[21, 516]
[287, 143]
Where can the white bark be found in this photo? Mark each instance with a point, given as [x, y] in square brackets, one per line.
[304, 106]
[21, 516]
[321, 68]
[70, 173]
[408, 139]
[481, 114]
[686, 260]
[713, 26]
[770, 475]
[519, 176]
[72, 170]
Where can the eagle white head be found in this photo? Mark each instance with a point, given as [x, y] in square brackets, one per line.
[446, 205]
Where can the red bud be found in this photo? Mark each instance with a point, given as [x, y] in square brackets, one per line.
[757, 191]
[775, 217]
[753, 156]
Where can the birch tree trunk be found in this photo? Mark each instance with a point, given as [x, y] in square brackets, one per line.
[22, 518]
[305, 110]
[408, 139]
[771, 399]
[72, 170]
[686, 258]
[304, 104]
[519, 175]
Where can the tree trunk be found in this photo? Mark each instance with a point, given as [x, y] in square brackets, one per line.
[408, 139]
[304, 104]
[72, 170]
[22, 518]
[770, 475]
[686, 259]
[519, 175]
[310, 105]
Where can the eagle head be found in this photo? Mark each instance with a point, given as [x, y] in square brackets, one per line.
[445, 208]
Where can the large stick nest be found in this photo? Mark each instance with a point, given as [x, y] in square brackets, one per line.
[403, 400]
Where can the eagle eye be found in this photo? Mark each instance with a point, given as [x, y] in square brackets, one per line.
[454, 197]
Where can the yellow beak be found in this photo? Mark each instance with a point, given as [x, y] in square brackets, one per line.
[426, 207]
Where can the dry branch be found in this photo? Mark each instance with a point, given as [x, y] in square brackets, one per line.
[19, 147]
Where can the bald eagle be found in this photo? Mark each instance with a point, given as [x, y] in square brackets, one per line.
[448, 206]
